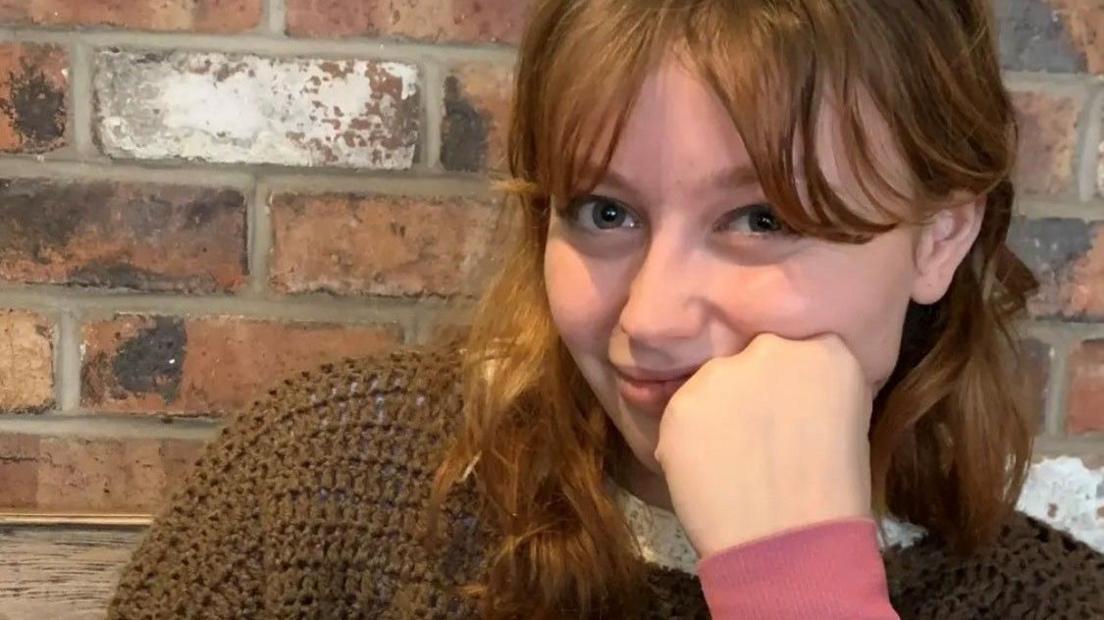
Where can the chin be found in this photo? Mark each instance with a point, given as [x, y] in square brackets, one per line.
[641, 435]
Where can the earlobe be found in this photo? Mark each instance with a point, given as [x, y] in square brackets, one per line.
[943, 244]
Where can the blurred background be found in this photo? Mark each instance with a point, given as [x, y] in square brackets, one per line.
[198, 197]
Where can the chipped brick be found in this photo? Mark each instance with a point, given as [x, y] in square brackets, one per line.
[250, 109]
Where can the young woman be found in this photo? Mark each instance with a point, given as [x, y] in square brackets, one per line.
[759, 301]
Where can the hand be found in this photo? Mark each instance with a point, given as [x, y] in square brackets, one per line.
[768, 440]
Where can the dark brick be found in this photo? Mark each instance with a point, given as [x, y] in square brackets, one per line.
[1067, 256]
[117, 235]
[1051, 35]
[477, 108]
[33, 94]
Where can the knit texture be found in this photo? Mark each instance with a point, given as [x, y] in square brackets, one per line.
[308, 505]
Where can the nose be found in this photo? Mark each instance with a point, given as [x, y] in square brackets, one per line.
[663, 301]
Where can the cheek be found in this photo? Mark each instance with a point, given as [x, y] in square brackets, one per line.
[858, 293]
[866, 300]
[581, 297]
[869, 318]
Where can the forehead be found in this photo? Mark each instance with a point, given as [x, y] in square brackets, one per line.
[680, 136]
[678, 130]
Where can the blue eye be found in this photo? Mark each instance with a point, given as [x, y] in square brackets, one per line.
[756, 219]
[598, 213]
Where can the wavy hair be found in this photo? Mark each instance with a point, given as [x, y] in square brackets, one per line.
[951, 436]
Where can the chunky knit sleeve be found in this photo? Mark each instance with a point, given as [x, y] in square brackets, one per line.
[309, 504]
[1033, 571]
[201, 557]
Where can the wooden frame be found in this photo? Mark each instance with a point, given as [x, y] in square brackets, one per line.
[75, 519]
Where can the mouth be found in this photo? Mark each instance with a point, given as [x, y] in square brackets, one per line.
[649, 392]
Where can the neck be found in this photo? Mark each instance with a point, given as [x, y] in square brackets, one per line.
[647, 485]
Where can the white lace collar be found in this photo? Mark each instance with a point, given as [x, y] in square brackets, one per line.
[662, 540]
[1062, 492]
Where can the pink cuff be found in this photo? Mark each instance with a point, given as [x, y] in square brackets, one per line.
[827, 571]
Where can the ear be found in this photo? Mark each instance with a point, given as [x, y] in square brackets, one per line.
[943, 244]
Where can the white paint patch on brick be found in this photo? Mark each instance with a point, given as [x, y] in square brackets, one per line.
[1061, 492]
[1069, 496]
[251, 109]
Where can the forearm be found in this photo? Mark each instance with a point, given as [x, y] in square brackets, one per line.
[826, 571]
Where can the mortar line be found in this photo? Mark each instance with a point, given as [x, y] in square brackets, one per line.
[68, 373]
[275, 19]
[95, 305]
[81, 94]
[1090, 154]
[434, 113]
[260, 238]
[269, 44]
[112, 427]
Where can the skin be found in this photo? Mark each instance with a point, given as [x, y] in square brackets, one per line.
[674, 263]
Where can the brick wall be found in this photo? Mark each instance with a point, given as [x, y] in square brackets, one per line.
[198, 198]
[201, 196]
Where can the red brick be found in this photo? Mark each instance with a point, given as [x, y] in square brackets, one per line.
[1048, 141]
[144, 364]
[119, 235]
[33, 93]
[27, 363]
[91, 475]
[468, 21]
[1085, 401]
[160, 15]
[477, 116]
[378, 245]
[1067, 256]
[19, 458]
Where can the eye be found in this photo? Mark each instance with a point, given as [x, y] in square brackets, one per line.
[756, 219]
[597, 213]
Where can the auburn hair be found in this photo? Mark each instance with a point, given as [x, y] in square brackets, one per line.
[951, 436]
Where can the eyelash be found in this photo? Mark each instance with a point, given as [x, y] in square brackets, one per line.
[573, 208]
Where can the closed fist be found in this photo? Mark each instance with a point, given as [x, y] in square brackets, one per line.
[768, 440]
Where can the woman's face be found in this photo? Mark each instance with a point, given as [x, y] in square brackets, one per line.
[674, 259]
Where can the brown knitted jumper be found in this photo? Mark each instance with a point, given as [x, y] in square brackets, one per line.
[307, 506]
